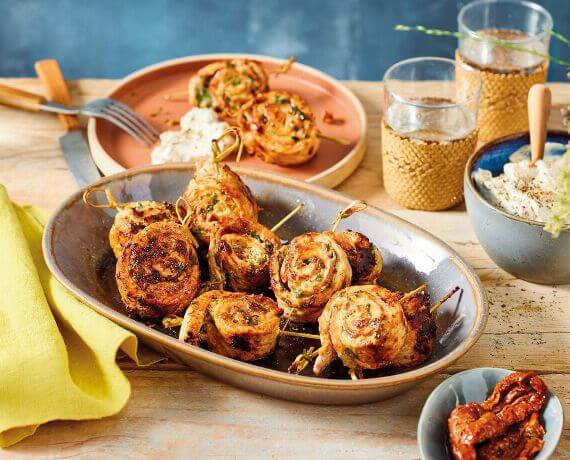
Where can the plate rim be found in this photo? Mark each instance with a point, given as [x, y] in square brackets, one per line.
[251, 369]
[330, 177]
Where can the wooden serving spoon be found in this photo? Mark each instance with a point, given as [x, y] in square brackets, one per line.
[539, 99]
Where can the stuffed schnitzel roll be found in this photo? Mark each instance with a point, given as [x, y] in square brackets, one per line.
[234, 324]
[158, 272]
[226, 86]
[279, 127]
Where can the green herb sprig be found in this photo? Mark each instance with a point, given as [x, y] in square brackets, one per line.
[494, 40]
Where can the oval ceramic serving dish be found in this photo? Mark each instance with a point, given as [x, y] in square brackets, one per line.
[146, 91]
[77, 252]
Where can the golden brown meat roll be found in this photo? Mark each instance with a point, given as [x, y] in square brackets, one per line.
[239, 253]
[226, 86]
[306, 273]
[421, 329]
[364, 257]
[279, 127]
[158, 272]
[133, 217]
[360, 328]
[214, 194]
[370, 327]
[234, 324]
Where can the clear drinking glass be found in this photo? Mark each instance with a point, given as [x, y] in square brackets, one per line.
[429, 131]
[520, 23]
[424, 99]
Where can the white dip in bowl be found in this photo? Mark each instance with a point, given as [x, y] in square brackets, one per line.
[522, 190]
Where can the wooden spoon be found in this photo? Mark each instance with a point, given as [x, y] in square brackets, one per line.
[539, 99]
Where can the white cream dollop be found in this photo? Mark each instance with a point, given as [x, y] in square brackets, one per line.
[198, 128]
[522, 190]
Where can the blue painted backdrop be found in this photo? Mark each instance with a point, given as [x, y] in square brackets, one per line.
[351, 39]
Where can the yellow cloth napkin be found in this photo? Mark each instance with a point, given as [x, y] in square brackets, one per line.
[57, 356]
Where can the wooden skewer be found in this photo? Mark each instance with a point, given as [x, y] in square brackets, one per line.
[302, 360]
[184, 221]
[410, 294]
[352, 208]
[220, 155]
[111, 201]
[300, 334]
[355, 374]
[279, 224]
[336, 140]
[444, 299]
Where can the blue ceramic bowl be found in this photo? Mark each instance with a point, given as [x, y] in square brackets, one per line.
[475, 385]
[519, 246]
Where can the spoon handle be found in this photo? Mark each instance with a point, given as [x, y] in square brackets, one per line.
[539, 99]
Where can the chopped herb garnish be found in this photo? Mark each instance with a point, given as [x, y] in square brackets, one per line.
[308, 354]
[203, 97]
[255, 236]
[252, 320]
[298, 112]
[213, 202]
[262, 259]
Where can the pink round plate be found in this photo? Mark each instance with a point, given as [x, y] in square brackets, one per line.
[147, 92]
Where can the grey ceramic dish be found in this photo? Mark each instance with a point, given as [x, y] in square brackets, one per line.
[519, 246]
[474, 385]
[77, 252]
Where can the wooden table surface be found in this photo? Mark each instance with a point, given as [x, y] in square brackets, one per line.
[177, 413]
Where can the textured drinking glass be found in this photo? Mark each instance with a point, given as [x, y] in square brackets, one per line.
[507, 73]
[519, 23]
[429, 130]
[423, 99]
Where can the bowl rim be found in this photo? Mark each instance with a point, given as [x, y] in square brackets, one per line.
[141, 330]
[470, 183]
[505, 372]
